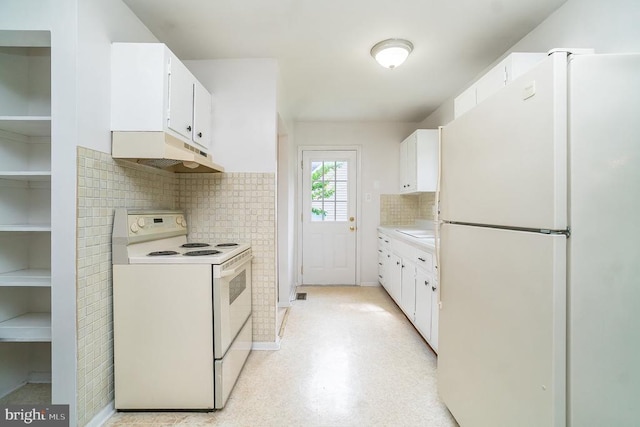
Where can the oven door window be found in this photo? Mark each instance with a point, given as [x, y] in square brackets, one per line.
[237, 285]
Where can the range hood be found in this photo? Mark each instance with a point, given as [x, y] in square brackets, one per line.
[161, 150]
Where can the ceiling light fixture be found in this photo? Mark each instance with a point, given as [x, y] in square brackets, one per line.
[391, 53]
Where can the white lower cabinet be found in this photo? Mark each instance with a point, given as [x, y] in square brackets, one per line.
[394, 282]
[424, 294]
[408, 292]
[408, 273]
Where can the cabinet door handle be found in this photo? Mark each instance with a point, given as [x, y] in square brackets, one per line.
[380, 250]
[199, 134]
[379, 263]
[189, 128]
[426, 283]
[422, 259]
[398, 263]
[433, 288]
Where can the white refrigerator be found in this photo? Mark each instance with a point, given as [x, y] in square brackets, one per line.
[540, 249]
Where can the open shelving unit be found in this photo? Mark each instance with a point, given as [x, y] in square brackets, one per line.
[25, 215]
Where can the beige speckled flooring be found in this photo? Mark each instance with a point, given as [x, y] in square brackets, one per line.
[349, 357]
[28, 394]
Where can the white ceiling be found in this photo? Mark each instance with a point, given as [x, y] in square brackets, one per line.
[322, 47]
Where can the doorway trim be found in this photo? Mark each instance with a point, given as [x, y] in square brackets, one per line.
[299, 190]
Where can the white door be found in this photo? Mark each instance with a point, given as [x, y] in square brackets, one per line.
[329, 225]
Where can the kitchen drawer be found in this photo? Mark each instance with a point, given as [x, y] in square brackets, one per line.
[424, 260]
[384, 241]
[403, 250]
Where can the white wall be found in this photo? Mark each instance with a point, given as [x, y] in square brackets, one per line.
[101, 22]
[80, 40]
[286, 180]
[244, 112]
[607, 26]
[379, 174]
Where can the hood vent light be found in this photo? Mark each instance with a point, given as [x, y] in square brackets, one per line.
[163, 151]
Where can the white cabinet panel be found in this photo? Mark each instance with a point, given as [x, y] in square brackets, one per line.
[180, 116]
[408, 291]
[152, 91]
[424, 293]
[201, 115]
[419, 162]
[495, 79]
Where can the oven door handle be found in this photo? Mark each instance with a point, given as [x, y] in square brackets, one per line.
[237, 269]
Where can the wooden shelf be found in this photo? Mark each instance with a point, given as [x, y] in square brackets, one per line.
[27, 125]
[41, 278]
[30, 327]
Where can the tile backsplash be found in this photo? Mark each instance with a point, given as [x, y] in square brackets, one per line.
[103, 185]
[238, 207]
[228, 206]
[400, 209]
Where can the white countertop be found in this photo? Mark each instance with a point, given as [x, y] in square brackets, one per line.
[420, 237]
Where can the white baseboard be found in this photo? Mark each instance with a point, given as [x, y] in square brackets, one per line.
[369, 284]
[269, 346]
[102, 416]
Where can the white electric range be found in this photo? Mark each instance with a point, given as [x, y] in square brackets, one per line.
[182, 314]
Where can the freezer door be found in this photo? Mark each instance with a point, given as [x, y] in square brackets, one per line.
[501, 354]
[604, 337]
[505, 161]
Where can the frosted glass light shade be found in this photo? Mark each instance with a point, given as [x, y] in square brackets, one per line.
[391, 53]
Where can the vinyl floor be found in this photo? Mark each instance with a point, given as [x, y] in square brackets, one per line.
[348, 357]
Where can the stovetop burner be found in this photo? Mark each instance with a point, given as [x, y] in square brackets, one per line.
[195, 245]
[161, 253]
[202, 253]
[226, 245]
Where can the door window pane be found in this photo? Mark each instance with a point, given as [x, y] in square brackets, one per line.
[329, 190]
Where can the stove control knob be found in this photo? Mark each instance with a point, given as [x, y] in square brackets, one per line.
[134, 227]
[141, 222]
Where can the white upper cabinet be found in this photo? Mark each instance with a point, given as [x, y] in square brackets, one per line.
[152, 91]
[419, 162]
[201, 115]
[498, 77]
